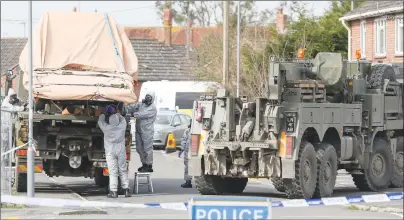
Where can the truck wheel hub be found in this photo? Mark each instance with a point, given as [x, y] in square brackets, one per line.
[378, 166]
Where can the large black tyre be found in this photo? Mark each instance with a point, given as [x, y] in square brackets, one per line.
[381, 161]
[235, 185]
[21, 183]
[278, 184]
[210, 185]
[217, 185]
[304, 184]
[379, 73]
[327, 167]
[397, 179]
[99, 179]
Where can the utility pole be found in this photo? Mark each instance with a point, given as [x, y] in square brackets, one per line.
[352, 5]
[188, 28]
[30, 156]
[238, 48]
[225, 43]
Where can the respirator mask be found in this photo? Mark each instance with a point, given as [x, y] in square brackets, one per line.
[13, 99]
[148, 100]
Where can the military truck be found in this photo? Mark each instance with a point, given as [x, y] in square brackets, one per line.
[74, 77]
[319, 116]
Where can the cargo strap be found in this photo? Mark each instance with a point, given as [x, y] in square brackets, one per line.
[113, 41]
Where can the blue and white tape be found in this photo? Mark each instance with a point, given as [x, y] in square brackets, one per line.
[344, 200]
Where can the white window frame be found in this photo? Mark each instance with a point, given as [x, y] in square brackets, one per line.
[376, 34]
[363, 38]
[397, 25]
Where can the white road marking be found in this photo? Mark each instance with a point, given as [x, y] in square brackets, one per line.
[73, 192]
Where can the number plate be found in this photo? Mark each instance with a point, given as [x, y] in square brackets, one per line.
[290, 122]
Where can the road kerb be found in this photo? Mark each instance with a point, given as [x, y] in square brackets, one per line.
[76, 195]
[83, 212]
[376, 208]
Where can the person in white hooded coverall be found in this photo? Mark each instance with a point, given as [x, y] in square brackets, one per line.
[145, 113]
[9, 106]
[115, 152]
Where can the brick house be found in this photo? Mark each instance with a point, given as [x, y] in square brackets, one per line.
[376, 28]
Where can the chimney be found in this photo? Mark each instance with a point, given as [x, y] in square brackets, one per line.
[167, 26]
[281, 22]
[74, 9]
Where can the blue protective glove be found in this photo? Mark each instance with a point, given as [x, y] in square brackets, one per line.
[179, 153]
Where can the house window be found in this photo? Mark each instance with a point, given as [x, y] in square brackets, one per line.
[399, 35]
[363, 39]
[380, 37]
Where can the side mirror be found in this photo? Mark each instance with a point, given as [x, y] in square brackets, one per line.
[176, 124]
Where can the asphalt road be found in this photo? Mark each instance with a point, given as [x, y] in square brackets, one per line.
[167, 178]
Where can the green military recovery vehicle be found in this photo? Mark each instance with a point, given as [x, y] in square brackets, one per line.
[319, 116]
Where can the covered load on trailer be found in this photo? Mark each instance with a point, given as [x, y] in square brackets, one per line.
[82, 62]
[81, 56]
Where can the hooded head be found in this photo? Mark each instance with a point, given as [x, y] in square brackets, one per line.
[11, 92]
[114, 120]
[13, 99]
[149, 98]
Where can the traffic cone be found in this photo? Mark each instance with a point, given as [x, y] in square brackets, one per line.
[171, 143]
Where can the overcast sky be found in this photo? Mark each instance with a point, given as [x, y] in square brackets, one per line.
[127, 13]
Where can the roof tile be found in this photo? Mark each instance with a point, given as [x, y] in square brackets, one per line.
[373, 6]
[11, 49]
[157, 61]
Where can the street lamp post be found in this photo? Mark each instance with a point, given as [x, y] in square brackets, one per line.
[30, 156]
[238, 49]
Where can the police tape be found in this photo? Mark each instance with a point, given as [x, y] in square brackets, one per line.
[14, 149]
[19, 147]
[67, 203]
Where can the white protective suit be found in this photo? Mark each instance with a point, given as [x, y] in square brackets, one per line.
[185, 141]
[7, 111]
[115, 151]
[145, 116]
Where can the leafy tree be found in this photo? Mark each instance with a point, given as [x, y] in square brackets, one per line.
[207, 13]
[334, 33]
[304, 30]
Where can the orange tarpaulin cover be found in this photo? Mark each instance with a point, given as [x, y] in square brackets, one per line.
[82, 43]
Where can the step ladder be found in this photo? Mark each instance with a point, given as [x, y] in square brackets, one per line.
[149, 183]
